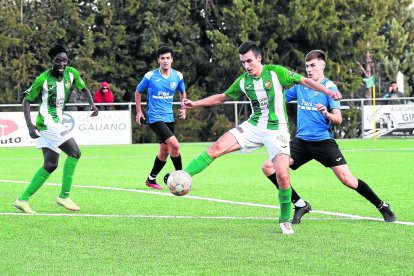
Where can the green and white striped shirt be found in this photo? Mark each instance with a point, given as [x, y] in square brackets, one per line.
[266, 96]
[52, 95]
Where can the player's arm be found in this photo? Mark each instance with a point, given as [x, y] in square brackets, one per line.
[319, 87]
[209, 101]
[33, 131]
[183, 114]
[140, 115]
[335, 116]
[88, 96]
[80, 85]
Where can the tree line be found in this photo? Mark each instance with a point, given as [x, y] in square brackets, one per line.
[116, 40]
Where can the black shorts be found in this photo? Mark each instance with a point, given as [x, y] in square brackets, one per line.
[163, 130]
[325, 152]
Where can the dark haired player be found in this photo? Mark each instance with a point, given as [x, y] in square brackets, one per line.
[161, 84]
[51, 90]
[314, 140]
[267, 125]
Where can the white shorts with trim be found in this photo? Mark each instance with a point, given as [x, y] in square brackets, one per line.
[53, 137]
[251, 138]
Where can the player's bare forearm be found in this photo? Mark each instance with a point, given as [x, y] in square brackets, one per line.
[183, 96]
[209, 101]
[33, 132]
[140, 116]
[26, 112]
[319, 87]
[88, 95]
[138, 102]
[89, 98]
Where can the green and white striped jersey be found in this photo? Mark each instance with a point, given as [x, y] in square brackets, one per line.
[266, 96]
[52, 95]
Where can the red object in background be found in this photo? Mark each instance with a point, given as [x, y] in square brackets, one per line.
[7, 127]
[104, 95]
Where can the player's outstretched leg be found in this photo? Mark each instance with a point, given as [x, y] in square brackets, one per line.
[384, 208]
[386, 212]
[196, 165]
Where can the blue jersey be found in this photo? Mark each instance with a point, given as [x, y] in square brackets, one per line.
[312, 124]
[160, 94]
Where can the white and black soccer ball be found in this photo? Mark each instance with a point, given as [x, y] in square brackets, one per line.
[179, 183]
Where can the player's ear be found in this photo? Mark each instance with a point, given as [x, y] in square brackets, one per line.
[259, 57]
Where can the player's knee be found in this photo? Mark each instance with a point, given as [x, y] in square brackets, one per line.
[284, 180]
[175, 149]
[267, 168]
[75, 154]
[50, 166]
[215, 151]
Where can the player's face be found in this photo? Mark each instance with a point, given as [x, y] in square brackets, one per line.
[165, 61]
[252, 63]
[315, 68]
[60, 61]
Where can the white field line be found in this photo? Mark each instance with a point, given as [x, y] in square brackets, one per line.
[343, 215]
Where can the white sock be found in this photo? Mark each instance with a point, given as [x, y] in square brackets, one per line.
[300, 203]
[151, 178]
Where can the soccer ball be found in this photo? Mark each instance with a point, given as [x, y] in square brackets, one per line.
[179, 183]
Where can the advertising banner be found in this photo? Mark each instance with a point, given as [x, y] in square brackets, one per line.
[108, 128]
[390, 120]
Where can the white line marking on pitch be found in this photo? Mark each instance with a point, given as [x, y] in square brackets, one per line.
[356, 217]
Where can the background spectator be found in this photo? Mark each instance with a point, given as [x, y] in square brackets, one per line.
[394, 93]
[104, 95]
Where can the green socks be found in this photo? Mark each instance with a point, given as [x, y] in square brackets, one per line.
[38, 180]
[284, 201]
[42, 175]
[68, 171]
[198, 164]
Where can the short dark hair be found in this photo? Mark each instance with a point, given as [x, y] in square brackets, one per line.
[249, 46]
[392, 82]
[56, 49]
[163, 50]
[319, 54]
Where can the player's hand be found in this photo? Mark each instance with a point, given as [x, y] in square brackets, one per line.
[95, 111]
[182, 114]
[33, 132]
[335, 95]
[188, 103]
[322, 109]
[139, 117]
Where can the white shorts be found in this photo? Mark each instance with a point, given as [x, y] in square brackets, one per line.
[251, 138]
[53, 137]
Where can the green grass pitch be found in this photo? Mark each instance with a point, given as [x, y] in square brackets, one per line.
[228, 224]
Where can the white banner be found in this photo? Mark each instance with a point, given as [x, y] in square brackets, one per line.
[108, 128]
[390, 120]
